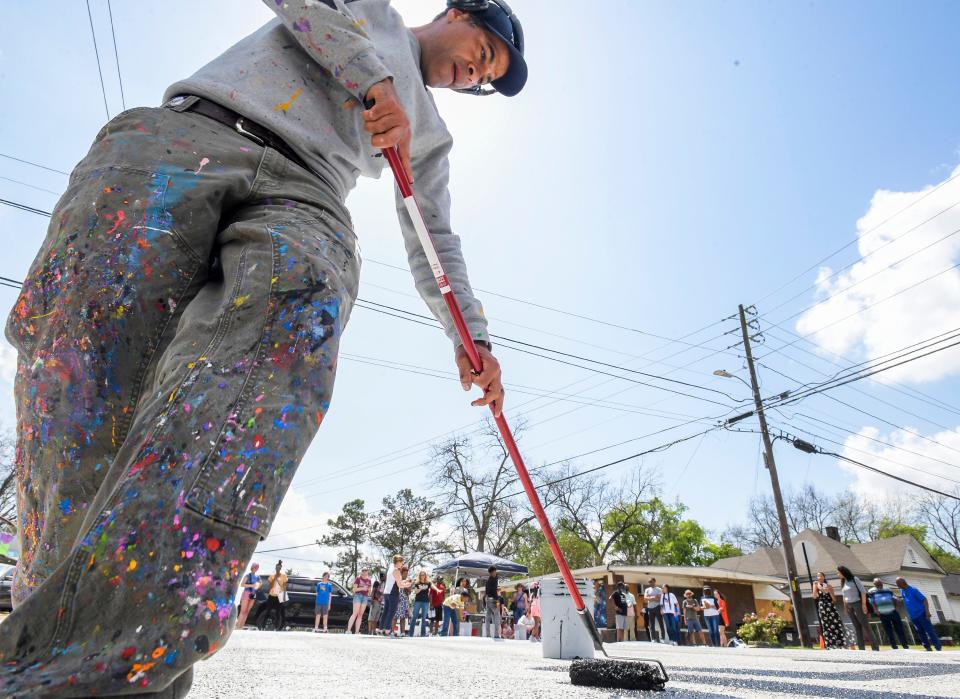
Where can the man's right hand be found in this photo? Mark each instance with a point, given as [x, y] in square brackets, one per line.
[388, 122]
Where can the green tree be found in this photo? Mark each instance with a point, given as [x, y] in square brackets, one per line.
[533, 551]
[403, 527]
[349, 534]
[889, 528]
[714, 552]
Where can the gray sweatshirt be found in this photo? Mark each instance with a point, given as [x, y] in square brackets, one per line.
[298, 75]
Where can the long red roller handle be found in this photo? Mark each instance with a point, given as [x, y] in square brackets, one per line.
[416, 216]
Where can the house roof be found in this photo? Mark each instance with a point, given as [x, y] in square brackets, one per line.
[827, 555]
[888, 555]
[668, 574]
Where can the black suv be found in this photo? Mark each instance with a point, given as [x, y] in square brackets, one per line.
[6, 583]
[300, 609]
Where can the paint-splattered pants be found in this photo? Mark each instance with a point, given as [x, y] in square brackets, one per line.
[177, 338]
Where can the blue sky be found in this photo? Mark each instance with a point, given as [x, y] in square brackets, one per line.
[666, 162]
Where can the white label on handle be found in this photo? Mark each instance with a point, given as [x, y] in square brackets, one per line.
[424, 235]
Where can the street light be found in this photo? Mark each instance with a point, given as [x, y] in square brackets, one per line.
[727, 375]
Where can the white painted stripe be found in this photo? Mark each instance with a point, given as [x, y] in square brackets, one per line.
[424, 235]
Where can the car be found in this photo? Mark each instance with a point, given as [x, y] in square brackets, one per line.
[6, 584]
[300, 607]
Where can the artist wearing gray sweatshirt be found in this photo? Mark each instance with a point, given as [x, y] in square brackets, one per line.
[177, 333]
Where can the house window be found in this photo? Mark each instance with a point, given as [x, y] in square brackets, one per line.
[913, 556]
[938, 609]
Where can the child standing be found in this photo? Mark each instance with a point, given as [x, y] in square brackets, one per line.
[322, 604]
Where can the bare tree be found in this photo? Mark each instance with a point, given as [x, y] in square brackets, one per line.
[808, 508]
[598, 511]
[942, 517]
[8, 483]
[475, 481]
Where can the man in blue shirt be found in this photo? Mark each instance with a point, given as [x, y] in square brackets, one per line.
[885, 604]
[322, 605]
[919, 612]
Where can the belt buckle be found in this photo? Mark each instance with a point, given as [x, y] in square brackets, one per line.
[243, 132]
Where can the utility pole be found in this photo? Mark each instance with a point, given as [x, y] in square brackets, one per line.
[788, 557]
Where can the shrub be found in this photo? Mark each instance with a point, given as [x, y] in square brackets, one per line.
[766, 629]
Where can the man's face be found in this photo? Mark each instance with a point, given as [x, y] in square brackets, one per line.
[878, 583]
[460, 55]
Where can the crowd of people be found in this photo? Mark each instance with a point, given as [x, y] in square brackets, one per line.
[397, 604]
[663, 614]
[862, 604]
[703, 614]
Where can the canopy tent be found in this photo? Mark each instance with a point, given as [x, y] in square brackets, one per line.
[475, 564]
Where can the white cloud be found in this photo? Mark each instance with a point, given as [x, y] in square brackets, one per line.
[922, 312]
[929, 460]
[297, 523]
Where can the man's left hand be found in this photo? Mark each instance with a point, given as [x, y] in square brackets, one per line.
[489, 379]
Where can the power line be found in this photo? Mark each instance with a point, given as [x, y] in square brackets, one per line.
[813, 449]
[96, 51]
[892, 385]
[27, 184]
[24, 207]
[865, 308]
[877, 417]
[505, 321]
[859, 237]
[861, 259]
[29, 162]
[826, 386]
[546, 484]
[868, 277]
[123, 100]
[433, 324]
[560, 310]
[889, 356]
[839, 428]
[379, 308]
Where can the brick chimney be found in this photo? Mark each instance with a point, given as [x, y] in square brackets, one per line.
[833, 533]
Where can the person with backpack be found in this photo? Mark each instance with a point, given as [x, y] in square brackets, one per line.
[619, 598]
[250, 585]
[858, 607]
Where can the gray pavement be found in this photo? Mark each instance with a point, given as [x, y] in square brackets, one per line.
[299, 664]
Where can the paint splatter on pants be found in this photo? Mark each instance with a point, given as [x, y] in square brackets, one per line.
[177, 338]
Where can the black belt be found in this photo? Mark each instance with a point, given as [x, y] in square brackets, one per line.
[258, 134]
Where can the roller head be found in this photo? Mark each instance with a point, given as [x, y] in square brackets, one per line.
[617, 674]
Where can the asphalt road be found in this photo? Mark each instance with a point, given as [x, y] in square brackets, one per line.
[300, 664]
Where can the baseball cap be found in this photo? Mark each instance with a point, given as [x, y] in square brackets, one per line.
[498, 18]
